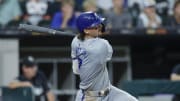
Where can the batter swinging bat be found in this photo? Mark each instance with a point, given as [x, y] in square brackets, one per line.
[39, 29]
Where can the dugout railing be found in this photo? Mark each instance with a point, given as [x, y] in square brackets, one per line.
[151, 87]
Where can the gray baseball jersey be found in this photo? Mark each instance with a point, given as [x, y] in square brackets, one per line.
[89, 61]
[92, 55]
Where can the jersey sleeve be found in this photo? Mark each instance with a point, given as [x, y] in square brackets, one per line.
[109, 51]
[45, 84]
[74, 60]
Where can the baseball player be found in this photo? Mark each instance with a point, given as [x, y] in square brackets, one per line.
[90, 54]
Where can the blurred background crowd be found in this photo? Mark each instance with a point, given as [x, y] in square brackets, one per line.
[59, 14]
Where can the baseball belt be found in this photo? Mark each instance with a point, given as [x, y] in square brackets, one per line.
[100, 93]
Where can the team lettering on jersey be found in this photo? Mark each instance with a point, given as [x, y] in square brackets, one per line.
[81, 54]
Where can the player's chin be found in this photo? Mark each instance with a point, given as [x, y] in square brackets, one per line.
[100, 33]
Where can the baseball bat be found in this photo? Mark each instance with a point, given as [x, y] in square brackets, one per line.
[39, 29]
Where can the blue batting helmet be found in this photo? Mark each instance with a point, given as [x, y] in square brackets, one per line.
[88, 20]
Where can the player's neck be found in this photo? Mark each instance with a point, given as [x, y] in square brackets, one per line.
[89, 37]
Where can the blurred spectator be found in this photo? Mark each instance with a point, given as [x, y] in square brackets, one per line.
[149, 18]
[78, 5]
[118, 17]
[175, 76]
[161, 5]
[171, 6]
[138, 2]
[174, 21]
[135, 11]
[90, 5]
[9, 11]
[66, 17]
[162, 8]
[49, 0]
[104, 4]
[36, 9]
[135, 7]
[53, 7]
[32, 77]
